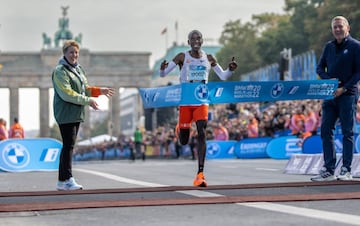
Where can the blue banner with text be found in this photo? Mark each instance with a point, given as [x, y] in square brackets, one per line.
[252, 147]
[234, 92]
[20, 155]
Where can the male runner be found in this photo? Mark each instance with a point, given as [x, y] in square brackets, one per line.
[194, 66]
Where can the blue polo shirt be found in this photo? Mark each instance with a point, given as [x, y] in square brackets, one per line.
[341, 61]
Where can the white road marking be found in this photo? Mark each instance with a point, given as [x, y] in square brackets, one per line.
[198, 193]
[267, 169]
[121, 179]
[195, 193]
[311, 213]
[306, 212]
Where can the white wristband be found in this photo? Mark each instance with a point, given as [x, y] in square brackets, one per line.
[223, 75]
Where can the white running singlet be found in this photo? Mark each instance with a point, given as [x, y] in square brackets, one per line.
[195, 69]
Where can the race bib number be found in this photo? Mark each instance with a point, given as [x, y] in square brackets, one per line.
[197, 73]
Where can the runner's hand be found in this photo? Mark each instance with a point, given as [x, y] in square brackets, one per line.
[164, 65]
[232, 64]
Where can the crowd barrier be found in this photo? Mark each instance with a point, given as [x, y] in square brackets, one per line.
[95, 154]
[42, 154]
[310, 164]
[282, 147]
[21, 155]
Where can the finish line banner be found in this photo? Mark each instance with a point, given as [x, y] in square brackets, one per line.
[234, 92]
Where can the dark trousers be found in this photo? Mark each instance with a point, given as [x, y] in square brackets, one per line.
[68, 133]
[344, 109]
[137, 152]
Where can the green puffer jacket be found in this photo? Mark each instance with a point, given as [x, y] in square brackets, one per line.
[70, 94]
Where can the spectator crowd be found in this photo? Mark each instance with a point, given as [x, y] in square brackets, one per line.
[228, 122]
[16, 131]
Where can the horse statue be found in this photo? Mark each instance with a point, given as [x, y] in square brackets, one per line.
[46, 40]
[78, 38]
[63, 33]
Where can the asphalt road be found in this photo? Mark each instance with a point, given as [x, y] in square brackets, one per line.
[123, 174]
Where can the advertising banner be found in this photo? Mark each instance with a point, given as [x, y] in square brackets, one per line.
[301, 163]
[283, 147]
[310, 164]
[19, 155]
[313, 144]
[234, 92]
[216, 149]
[252, 148]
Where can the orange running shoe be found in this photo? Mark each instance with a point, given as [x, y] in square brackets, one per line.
[200, 180]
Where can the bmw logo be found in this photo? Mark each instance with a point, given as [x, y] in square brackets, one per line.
[201, 92]
[213, 149]
[277, 90]
[16, 155]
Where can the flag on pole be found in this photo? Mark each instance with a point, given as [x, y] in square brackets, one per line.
[176, 32]
[164, 31]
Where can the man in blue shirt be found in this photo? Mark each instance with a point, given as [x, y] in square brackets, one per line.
[340, 60]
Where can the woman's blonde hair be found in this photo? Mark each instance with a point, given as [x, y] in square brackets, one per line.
[69, 43]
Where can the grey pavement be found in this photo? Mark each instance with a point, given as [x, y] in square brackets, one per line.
[153, 173]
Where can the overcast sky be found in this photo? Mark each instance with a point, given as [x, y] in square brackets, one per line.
[119, 25]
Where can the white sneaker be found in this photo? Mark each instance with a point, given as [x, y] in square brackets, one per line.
[68, 185]
[324, 175]
[344, 174]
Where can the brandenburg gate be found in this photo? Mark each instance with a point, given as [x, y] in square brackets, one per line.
[34, 69]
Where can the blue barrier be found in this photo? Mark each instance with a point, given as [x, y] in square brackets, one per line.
[313, 144]
[252, 148]
[20, 155]
[42, 154]
[113, 153]
[216, 149]
[283, 147]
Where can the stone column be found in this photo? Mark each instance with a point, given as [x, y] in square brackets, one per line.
[114, 111]
[44, 112]
[14, 105]
[140, 107]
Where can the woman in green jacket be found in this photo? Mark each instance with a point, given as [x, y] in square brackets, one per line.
[71, 94]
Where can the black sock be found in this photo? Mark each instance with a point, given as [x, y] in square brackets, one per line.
[201, 169]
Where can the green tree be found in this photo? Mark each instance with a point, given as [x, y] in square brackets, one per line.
[274, 34]
[304, 26]
[320, 25]
[239, 41]
[285, 31]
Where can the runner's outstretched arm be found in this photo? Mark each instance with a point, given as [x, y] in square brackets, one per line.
[223, 75]
[167, 67]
